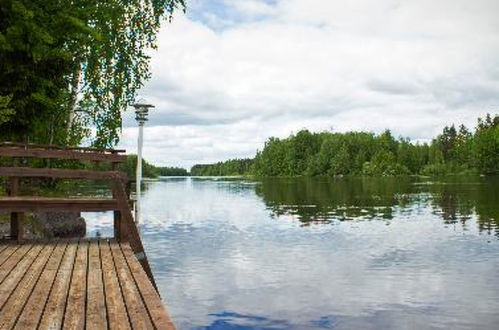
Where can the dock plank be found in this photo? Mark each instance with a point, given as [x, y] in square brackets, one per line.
[53, 313]
[137, 312]
[96, 305]
[77, 284]
[2, 247]
[17, 273]
[74, 317]
[12, 261]
[7, 252]
[157, 311]
[14, 305]
[116, 309]
[32, 311]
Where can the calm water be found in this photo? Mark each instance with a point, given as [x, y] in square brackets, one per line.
[323, 253]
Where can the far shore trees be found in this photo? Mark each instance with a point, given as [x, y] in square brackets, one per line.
[454, 151]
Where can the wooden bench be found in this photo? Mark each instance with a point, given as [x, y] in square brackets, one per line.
[93, 283]
[125, 228]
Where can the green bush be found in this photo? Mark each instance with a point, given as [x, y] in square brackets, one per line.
[383, 164]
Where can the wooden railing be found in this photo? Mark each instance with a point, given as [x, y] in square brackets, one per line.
[125, 228]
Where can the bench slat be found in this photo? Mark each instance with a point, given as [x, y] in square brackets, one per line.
[29, 172]
[33, 204]
[51, 146]
[61, 154]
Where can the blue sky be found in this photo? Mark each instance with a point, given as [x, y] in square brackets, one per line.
[221, 10]
[231, 73]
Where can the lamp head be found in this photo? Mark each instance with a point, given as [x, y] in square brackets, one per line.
[142, 110]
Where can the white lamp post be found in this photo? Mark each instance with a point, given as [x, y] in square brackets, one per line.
[141, 112]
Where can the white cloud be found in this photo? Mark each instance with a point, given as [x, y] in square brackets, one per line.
[255, 69]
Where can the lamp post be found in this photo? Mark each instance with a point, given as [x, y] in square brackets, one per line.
[141, 113]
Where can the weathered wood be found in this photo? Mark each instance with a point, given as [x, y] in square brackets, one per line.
[12, 261]
[116, 214]
[116, 310]
[53, 314]
[135, 307]
[70, 284]
[155, 308]
[124, 225]
[51, 146]
[10, 282]
[14, 305]
[132, 234]
[74, 317]
[17, 225]
[61, 154]
[33, 204]
[7, 251]
[29, 172]
[2, 248]
[75, 284]
[32, 311]
[16, 219]
[96, 303]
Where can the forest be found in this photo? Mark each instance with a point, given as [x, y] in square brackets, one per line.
[454, 151]
[149, 170]
[227, 168]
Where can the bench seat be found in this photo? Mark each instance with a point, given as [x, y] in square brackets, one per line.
[33, 204]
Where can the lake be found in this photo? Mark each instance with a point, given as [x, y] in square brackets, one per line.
[318, 253]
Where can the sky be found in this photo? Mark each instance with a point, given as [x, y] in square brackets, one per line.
[231, 73]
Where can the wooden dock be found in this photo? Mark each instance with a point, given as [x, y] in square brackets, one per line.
[76, 284]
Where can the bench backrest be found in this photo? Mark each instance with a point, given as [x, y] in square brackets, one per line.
[125, 228]
[18, 150]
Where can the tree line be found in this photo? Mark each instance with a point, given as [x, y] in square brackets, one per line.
[129, 167]
[228, 168]
[149, 170]
[454, 151]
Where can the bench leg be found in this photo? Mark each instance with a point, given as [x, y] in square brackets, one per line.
[117, 226]
[16, 226]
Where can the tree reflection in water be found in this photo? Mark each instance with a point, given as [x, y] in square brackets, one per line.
[325, 200]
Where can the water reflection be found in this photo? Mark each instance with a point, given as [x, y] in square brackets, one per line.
[375, 254]
[323, 200]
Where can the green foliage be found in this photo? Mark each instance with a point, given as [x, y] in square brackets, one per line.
[271, 161]
[229, 168]
[349, 153]
[300, 149]
[6, 112]
[383, 164]
[115, 64]
[486, 146]
[34, 62]
[442, 169]
[54, 52]
[455, 151]
[130, 168]
[172, 171]
[149, 170]
[340, 163]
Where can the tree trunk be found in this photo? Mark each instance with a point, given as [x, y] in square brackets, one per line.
[74, 88]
